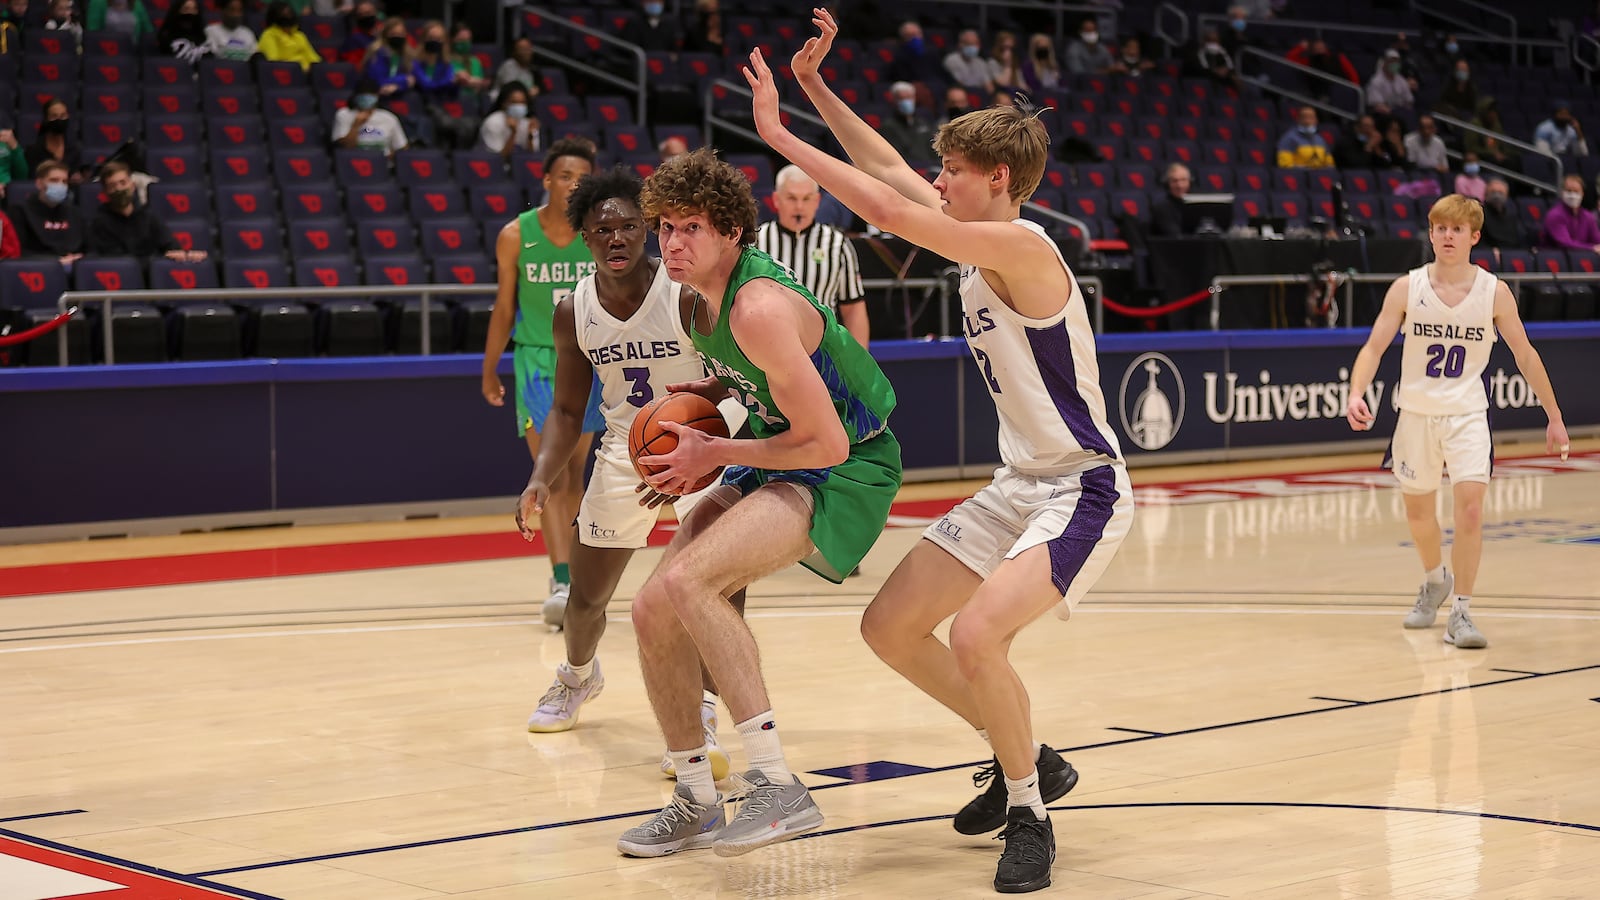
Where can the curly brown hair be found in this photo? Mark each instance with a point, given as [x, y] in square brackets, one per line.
[699, 183]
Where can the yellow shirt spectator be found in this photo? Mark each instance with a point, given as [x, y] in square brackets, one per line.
[290, 44]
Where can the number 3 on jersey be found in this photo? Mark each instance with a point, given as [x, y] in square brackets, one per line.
[642, 393]
[1446, 362]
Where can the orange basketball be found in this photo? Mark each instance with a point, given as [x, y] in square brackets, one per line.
[648, 438]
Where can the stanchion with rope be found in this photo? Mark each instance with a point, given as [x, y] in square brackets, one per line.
[1152, 312]
[7, 339]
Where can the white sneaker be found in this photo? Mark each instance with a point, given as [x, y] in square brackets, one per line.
[1460, 631]
[558, 708]
[555, 607]
[721, 764]
[1429, 599]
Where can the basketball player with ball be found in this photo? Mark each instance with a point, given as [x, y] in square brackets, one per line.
[1452, 311]
[812, 486]
[628, 323]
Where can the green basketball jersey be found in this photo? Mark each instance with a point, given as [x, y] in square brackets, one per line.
[547, 274]
[861, 394]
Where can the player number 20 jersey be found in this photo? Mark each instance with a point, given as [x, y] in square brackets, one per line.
[1446, 349]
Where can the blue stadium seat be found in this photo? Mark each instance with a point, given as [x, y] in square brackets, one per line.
[245, 200]
[137, 332]
[431, 202]
[250, 239]
[422, 167]
[237, 131]
[449, 236]
[239, 165]
[31, 283]
[373, 201]
[299, 167]
[479, 167]
[384, 237]
[495, 202]
[361, 167]
[317, 237]
[310, 201]
[177, 199]
[191, 233]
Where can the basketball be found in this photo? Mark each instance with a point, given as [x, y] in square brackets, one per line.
[648, 438]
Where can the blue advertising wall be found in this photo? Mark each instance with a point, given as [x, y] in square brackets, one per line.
[97, 444]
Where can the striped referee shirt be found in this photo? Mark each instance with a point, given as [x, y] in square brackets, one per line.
[821, 257]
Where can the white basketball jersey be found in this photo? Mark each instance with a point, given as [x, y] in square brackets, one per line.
[1446, 349]
[1043, 376]
[635, 360]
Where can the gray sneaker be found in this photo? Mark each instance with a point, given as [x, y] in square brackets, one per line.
[1429, 598]
[555, 606]
[1460, 631]
[682, 825]
[770, 813]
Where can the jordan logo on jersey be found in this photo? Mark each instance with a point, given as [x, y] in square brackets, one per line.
[634, 350]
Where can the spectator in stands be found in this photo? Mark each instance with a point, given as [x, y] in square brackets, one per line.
[966, 65]
[283, 41]
[511, 127]
[1448, 52]
[1086, 55]
[957, 103]
[1131, 60]
[1365, 148]
[469, 68]
[125, 227]
[1561, 134]
[10, 245]
[1388, 91]
[1234, 39]
[1425, 148]
[654, 31]
[52, 142]
[13, 162]
[1408, 66]
[1301, 147]
[912, 62]
[672, 147]
[1460, 97]
[1470, 182]
[704, 34]
[183, 32]
[1005, 70]
[231, 38]
[1487, 148]
[1040, 72]
[438, 86]
[1318, 55]
[1394, 136]
[1567, 224]
[62, 18]
[1502, 227]
[518, 69]
[13, 17]
[361, 31]
[392, 62]
[1211, 59]
[48, 223]
[364, 124]
[905, 129]
[126, 16]
[1166, 214]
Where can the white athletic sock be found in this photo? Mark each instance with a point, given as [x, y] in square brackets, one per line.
[1459, 603]
[1436, 574]
[984, 733]
[708, 698]
[584, 671]
[1025, 792]
[694, 772]
[761, 743]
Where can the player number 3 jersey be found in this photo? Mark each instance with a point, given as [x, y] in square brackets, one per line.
[1446, 349]
[634, 359]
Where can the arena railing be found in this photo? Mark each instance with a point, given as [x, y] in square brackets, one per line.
[1265, 82]
[1586, 55]
[425, 293]
[1179, 36]
[639, 86]
[1105, 16]
[1349, 280]
[1509, 141]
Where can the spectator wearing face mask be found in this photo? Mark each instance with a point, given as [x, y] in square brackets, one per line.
[1561, 134]
[126, 16]
[1470, 182]
[439, 86]
[1388, 91]
[1005, 67]
[913, 60]
[283, 41]
[366, 125]
[361, 31]
[510, 127]
[1233, 37]
[905, 129]
[392, 61]
[1040, 71]
[231, 38]
[1502, 227]
[47, 223]
[1460, 97]
[1211, 59]
[53, 143]
[1425, 148]
[1130, 60]
[183, 33]
[966, 65]
[654, 30]
[957, 103]
[124, 227]
[1567, 224]
[1086, 55]
[1302, 147]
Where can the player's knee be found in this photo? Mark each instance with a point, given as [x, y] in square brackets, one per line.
[1469, 515]
[974, 642]
[651, 608]
[877, 629]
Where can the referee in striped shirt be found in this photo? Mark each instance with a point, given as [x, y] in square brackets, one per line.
[821, 257]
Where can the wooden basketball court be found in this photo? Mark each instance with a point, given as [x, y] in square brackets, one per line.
[1249, 718]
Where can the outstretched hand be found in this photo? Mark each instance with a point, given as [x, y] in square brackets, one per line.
[1556, 439]
[764, 99]
[809, 57]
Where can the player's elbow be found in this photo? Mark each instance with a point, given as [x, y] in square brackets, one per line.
[832, 447]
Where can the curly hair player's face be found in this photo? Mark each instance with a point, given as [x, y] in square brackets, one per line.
[691, 248]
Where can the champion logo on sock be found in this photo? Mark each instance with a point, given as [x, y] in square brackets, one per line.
[696, 760]
[768, 726]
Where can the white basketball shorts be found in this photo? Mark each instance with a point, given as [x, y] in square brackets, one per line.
[1426, 446]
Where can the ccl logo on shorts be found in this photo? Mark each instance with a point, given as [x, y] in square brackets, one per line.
[948, 529]
[595, 531]
[1151, 401]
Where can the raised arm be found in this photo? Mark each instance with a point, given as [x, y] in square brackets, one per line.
[866, 147]
[1531, 365]
[1366, 366]
[564, 425]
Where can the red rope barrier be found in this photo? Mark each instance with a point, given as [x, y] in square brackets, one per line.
[7, 340]
[1156, 311]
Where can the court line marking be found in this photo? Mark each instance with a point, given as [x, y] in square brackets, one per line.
[526, 829]
[179, 877]
[43, 815]
[762, 614]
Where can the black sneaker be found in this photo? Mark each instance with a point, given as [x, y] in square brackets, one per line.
[1030, 851]
[987, 811]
